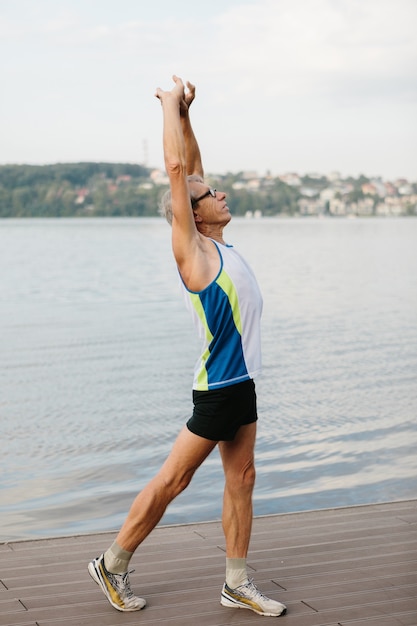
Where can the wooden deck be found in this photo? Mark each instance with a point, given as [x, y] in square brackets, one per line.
[341, 567]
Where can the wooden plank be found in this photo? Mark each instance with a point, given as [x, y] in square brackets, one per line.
[11, 605]
[361, 598]
[338, 567]
[401, 619]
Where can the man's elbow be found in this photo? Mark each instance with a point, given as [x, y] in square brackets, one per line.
[175, 167]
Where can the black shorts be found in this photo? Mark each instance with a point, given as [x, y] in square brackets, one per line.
[219, 413]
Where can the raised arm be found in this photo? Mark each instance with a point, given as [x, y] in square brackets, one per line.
[196, 256]
[192, 151]
[184, 231]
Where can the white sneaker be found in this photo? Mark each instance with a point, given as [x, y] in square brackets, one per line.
[248, 596]
[116, 587]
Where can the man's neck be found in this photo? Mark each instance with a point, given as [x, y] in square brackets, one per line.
[212, 232]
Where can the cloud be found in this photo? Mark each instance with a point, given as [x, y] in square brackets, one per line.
[322, 47]
[335, 49]
[307, 77]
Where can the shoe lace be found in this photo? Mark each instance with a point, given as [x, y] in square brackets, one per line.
[122, 582]
[254, 591]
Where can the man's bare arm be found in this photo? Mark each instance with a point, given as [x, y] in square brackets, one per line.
[184, 232]
[192, 150]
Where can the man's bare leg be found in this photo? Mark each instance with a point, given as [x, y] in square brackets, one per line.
[187, 454]
[110, 570]
[239, 469]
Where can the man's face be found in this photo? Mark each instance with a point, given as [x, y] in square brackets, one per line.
[209, 205]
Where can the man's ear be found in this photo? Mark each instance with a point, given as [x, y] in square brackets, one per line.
[197, 218]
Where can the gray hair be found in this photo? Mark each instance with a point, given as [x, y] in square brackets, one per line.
[165, 204]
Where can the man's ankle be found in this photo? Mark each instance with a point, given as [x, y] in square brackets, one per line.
[116, 560]
[236, 574]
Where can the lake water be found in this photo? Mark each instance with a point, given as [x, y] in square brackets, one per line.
[97, 353]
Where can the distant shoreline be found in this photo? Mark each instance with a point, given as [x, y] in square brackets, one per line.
[128, 190]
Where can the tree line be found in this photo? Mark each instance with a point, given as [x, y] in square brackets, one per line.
[113, 189]
[74, 189]
[123, 189]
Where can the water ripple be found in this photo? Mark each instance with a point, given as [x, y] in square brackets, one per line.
[97, 355]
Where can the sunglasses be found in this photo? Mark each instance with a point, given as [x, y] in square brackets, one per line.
[209, 192]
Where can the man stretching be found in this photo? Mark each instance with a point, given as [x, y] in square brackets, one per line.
[225, 303]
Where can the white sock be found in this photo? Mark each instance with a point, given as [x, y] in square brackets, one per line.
[116, 559]
[236, 573]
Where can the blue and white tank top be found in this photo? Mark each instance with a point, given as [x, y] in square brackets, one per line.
[227, 315]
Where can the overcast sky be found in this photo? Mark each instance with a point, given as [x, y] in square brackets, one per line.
[282, 85]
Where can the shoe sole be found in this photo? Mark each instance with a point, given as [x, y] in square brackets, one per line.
[94, 575]
[232, 604]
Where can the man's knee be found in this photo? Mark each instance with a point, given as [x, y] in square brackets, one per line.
[174, 484]
[249, 475]
[242, 479]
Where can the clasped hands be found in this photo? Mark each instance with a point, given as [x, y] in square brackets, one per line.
[183, 97]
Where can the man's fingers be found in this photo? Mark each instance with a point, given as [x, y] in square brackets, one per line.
[178, 90]
[178, 81]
